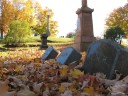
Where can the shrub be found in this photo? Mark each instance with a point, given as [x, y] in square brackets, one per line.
[19, 31]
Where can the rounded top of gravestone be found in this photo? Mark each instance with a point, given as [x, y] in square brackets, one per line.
[106, 56]
[99, 44]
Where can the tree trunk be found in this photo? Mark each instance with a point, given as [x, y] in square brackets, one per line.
[1, 33]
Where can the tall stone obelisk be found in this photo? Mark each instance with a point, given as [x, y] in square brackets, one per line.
[84, 34]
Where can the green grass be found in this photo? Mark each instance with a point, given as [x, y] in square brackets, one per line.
[60, 40]
[36, 42]
[50, 39]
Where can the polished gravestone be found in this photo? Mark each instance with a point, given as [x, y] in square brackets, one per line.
[69, 55]
[50, 53]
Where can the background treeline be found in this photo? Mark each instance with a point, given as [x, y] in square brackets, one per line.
[22, 18]
[117, 24]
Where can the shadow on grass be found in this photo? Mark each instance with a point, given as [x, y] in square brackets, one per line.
[3, 49]
[59, 46]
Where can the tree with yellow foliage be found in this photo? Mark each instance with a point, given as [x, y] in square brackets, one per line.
[27, 11]
[119, 17]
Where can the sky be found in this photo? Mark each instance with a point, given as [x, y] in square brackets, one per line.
[65, 13]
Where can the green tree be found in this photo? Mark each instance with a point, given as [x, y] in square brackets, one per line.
[19, 31]
[114, 33]
[119, 17]
[71, 35]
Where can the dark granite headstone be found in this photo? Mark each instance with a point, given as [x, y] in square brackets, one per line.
[68, 55]
[106, 56]
[50, 53]
[44, 41]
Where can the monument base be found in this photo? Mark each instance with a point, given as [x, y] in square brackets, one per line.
[81, 46]
[43, 47]
[81, 43]
[43, 42]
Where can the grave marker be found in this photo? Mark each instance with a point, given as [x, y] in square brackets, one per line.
[69, 55]
[106, 56]
[84, 31]
[50, 53]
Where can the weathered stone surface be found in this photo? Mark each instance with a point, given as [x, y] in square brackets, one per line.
[50, 53]
[106, 56]
[69, 55]
[44, 41]
[85, 34]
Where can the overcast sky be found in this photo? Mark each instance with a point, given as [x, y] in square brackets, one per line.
[65, 13]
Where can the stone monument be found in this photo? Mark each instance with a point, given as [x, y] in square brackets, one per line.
[84, 35]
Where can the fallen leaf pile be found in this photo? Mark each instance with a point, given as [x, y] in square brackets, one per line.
[24, 73]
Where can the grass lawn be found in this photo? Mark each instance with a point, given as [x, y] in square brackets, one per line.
[60, 40]
[51, 39]
[35, 42]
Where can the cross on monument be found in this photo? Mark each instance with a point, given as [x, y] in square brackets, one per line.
[84, 3]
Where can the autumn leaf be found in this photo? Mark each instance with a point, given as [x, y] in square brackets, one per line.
[64, 71]
[76, 73]
[19, 68]
[62, 89]
[89, 90]
[73, 89]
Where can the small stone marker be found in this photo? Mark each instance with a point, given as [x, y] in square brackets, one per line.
[69, 55]
[50, 53]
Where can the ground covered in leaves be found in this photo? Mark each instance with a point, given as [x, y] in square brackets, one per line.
[24, 73]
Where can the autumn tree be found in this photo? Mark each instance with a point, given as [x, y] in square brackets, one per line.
[6, 15]
[27, 11]
[41, 15]
[11, 10]
[119, 17]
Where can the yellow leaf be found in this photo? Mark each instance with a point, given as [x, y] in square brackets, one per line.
[18, 67]
[73, 89]
[64, 71]
[76, 73]
[89, 90]
[62, 88]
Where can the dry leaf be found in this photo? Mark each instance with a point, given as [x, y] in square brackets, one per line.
[89, 90]
[62, 89]
[64, 71]
[76, 73]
